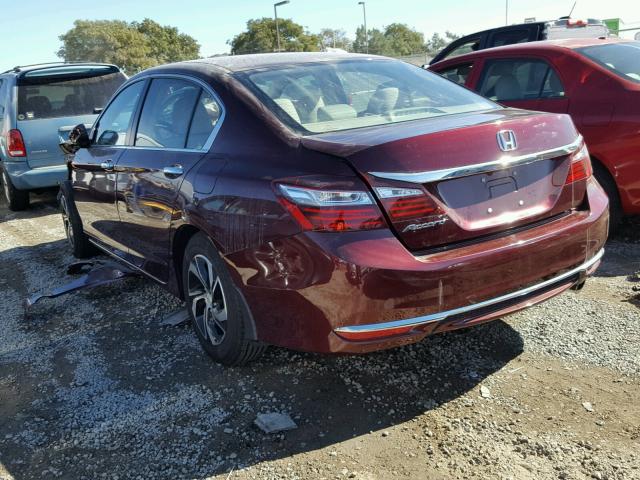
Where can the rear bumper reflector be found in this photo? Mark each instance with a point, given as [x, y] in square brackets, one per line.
[401, 327]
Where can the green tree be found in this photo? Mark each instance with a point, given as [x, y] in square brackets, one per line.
[260, 37]
[402, 40]
[332, 38]
[396, 40]
[131, 46]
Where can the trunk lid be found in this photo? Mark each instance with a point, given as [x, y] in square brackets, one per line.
[460, 183]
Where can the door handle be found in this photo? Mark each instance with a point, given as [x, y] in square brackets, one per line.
[173, 171]
[107, 165]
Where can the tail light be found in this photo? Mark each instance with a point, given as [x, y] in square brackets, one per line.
[331, 210]
[580, 168]
[405, 203]
[15, 144]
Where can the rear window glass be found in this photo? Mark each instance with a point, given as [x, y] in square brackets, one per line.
[60, 92]
[317, 98]
[623, 59]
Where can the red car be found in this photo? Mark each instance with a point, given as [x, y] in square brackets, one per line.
[332, 202]
[596, 81]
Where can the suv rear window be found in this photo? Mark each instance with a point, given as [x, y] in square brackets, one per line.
[66, 91]
[623, 59]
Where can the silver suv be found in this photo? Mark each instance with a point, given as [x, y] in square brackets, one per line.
[39, 105]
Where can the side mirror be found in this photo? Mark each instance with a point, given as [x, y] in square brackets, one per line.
[78, 138]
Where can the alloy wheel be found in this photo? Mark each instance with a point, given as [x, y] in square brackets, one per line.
[207, 299]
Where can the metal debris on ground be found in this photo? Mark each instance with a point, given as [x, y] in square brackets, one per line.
[175, 318]
[95, 273]
[274, 422]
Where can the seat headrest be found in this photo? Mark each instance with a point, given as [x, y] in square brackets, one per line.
[508, 88]
[338, 111]
[288, 106]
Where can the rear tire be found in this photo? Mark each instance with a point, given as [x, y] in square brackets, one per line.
[17, 199]
[220, 318]
[607, 182]
[77, 239]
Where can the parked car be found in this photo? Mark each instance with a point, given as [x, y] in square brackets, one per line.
[332, 202]
[39, 104]
[562, 28]
[596, 81]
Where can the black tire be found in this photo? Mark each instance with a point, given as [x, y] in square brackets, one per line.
[611, 189]
[226, 341]
[77, 239]
[17, 199]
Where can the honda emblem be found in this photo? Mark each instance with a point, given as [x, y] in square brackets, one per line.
[507, 140]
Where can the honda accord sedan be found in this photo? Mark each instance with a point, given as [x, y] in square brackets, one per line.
[332, 202]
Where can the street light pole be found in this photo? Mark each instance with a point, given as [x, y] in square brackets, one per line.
[275, 14]
[506, 12]
[366, 34]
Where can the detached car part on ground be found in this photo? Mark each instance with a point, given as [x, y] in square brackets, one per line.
[39, 105]
[331, 202]
[596, 81]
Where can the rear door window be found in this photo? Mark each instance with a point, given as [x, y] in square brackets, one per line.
[458, 73]
[205, 118]
[519, 79]
[66, 91]
[166, 114]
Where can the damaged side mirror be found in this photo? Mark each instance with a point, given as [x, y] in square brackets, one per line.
[78, 138]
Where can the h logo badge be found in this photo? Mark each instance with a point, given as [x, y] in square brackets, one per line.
[507, 140]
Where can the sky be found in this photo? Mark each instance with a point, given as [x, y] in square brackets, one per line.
[30, 28]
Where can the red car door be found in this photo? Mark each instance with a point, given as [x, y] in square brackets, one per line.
[529, 83]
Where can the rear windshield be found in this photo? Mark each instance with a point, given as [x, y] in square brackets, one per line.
[66, 91]
[327, 97]
[623, 59]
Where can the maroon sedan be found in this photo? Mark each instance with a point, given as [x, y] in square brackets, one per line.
[596, 81]
[332, 202]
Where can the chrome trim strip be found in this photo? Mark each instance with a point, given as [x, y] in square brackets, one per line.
[440, 316]
[503, 162]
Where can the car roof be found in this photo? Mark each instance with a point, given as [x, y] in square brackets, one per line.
[237, 63]
[541, 45]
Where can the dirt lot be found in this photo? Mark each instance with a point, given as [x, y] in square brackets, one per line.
[92, 386]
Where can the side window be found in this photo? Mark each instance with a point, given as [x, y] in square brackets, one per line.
[509, 37]
[457, 73]
[519, 79]
[205, 118]
[113, 128]
[166, 113]
[467, 47]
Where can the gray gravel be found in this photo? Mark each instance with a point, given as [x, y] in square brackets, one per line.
[92, 386]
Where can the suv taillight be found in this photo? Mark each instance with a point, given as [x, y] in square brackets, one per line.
[330, 210]
[15, 144]
[580, 168]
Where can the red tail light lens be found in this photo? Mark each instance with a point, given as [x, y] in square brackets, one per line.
[580, 168]
[331, 210]
[405, 203]
[15, 144]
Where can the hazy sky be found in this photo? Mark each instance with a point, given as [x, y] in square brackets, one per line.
[30, 28]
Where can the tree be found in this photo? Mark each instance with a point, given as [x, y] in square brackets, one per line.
[437, 42]
[331, 38]
[131, 46]
[402, 40]
[396, 40]
[260, 37]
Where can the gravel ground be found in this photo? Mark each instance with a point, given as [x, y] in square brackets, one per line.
[92, 386]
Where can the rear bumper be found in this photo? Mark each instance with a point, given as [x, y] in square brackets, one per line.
[26, 178]
[318, 291]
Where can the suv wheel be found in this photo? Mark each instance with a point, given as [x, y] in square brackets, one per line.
[220, 318]
[17, 199]
[78, 240]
